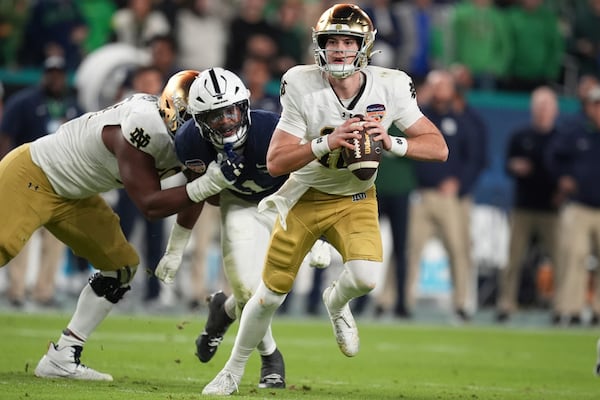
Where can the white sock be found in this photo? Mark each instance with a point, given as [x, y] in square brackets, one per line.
[89, 313]
[254, 324]
[267, 345]
[230, 307]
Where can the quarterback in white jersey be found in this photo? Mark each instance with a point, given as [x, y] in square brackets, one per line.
[312, 109]
[322, 197]
[56, 182]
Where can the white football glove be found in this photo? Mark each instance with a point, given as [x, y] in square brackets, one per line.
[212, 182]
[320, 254]
[171, 261]
[167, 267]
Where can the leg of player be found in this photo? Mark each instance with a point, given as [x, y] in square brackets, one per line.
[239, 246]
[355, 280]
[254, 324]
[217, 323]
[220, 309]
[96, 300]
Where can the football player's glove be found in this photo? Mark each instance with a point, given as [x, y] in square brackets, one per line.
[209, 184]
[167, 267]
[171, 260]
[232, 166]
[320, 254]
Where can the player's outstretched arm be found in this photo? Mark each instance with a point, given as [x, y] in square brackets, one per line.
[141, 179]
[181, 231]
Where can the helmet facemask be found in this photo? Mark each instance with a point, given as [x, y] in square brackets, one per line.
[345, 20]
[226, 125]
[220, 105]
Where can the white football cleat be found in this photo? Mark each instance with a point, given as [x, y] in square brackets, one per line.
[64, 363]
[224, 384]
[344, 327]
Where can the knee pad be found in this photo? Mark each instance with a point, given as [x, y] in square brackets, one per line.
[112, 284]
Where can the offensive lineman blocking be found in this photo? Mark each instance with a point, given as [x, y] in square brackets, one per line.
[56, 180]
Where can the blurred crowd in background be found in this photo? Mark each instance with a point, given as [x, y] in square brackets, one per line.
[60, 58]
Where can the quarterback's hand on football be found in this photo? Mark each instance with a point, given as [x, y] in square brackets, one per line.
[320, 254]
[167, 267]
[342, 135]
[232, 166]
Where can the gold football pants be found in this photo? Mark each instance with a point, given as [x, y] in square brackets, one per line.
[349, 223]
[88, 226]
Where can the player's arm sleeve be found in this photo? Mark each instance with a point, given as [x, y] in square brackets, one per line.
[404, 97]
[140, 130]
[292, 118]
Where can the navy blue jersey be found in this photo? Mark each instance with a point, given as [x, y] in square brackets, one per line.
[255, 182]
[575, 151]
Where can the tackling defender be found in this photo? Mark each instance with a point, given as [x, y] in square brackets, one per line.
[224, 127]
[321, 196]
[56, 182]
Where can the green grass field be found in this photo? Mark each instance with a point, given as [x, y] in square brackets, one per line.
[153, 358]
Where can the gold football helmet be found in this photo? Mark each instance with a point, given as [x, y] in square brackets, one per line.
[174, 99]
[347, 20]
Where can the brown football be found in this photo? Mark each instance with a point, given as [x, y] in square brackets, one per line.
[364, 160]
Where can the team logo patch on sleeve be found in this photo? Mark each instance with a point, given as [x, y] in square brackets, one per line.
[376, 111]
[198, 166]
[139, 138]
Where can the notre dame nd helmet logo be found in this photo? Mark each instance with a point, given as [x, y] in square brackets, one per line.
[139, 138]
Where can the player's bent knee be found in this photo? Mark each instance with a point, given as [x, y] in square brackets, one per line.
[112, 285]
[363, 274]
[269, 299]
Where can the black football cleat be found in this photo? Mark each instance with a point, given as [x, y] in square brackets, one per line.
[217, 324]
[272, 371]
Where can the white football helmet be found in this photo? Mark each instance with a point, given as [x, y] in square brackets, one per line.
[174, 98]
[347, 20]
[220, 105]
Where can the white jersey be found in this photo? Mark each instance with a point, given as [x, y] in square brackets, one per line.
[312, 109]
[78, 164]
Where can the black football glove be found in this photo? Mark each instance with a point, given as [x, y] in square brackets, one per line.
[232, 166]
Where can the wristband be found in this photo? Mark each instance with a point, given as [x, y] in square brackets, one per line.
[399, 146]
[320, 147]
[178, 239]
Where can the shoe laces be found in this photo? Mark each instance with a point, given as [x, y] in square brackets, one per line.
[214, 341]
[225, 379]
[77, 354]
[272, 379]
